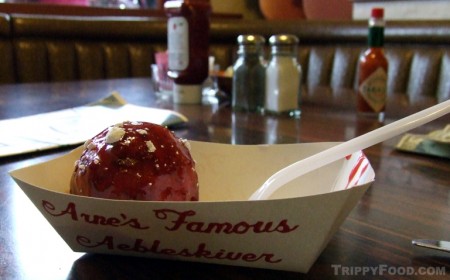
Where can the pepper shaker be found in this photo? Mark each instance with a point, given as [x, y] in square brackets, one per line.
[249, 74]
[283, 77]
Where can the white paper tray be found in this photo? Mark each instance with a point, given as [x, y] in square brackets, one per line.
[286, 233]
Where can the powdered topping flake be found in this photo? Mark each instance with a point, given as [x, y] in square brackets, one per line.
[186, 144]
[114, 134]
[89, 144]
[151, 147]
[142, 131]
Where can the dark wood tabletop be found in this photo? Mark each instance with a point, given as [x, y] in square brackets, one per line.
[410, 198]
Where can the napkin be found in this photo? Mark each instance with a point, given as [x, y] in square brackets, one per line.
[75, 125]
[435, 143]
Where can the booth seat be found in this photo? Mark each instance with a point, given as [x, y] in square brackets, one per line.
[43, 48]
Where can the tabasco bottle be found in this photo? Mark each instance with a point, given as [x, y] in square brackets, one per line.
[373, 69]
[188, 43]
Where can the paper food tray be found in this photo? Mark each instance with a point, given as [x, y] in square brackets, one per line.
[287, 232]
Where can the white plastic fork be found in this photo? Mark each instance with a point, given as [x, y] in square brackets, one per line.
[339, 151]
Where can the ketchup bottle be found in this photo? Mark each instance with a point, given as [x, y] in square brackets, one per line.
[188, 36]
[373, 69]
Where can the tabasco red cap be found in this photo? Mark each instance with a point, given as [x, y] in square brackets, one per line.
[378, 12]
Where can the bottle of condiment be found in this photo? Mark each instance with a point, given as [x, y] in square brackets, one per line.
[283, 77]
[249, 74]
[373, 69]
[187, 40]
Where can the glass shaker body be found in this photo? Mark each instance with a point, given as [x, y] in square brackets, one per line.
[283, 77]
[249, 75]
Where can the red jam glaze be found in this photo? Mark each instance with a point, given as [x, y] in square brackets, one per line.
[136, 161]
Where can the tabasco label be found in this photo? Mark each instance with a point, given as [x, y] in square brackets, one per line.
[373, 90]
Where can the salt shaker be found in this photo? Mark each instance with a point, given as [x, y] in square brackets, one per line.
[249, 74]
[283, 77]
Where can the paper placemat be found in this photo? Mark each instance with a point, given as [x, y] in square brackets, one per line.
[75, 125]
[435, 143]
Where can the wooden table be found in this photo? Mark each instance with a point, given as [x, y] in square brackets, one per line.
[409, 199]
